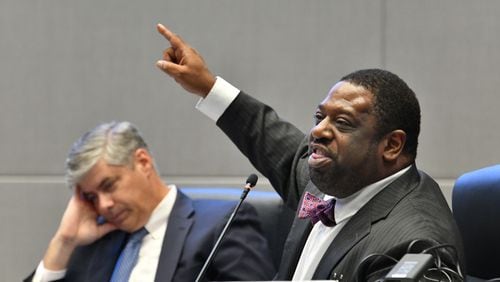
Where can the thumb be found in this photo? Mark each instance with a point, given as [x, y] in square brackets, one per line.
[162, 64]
[168, 67]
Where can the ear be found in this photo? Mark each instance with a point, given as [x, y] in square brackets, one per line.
[143, 161]
[393, 144]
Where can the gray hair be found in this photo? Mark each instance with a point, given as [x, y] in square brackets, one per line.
[114, 142]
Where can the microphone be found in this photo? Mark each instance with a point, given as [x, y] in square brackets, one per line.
[251, 180]
[250, 183]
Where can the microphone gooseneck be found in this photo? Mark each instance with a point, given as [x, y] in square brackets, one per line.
[250, 183]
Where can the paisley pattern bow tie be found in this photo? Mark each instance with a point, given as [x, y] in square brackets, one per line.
[317, 210]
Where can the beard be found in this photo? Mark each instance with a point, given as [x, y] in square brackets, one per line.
[336, 181]
[342, 180]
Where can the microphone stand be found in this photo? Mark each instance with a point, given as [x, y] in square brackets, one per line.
[244, 194]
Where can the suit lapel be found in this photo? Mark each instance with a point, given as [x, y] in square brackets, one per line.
[294, 244]
[179, 224]
[360, 224]
[293, 247]
[103, 260]
[357, 228]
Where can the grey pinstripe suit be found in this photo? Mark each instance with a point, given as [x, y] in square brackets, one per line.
[412, 207]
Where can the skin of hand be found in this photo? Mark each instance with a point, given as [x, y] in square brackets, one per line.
[185, 65]
[78, 227]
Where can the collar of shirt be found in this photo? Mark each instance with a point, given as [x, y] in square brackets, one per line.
[160, 214]
[321, 236]
[348, 206]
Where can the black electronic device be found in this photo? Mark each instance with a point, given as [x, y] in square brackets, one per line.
[411, 267]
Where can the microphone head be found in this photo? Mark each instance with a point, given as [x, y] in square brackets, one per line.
[252, 179]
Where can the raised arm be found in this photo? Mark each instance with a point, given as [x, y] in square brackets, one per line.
[272, 145]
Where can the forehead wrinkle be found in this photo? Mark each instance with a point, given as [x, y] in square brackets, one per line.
[345, 95]
[347, 105]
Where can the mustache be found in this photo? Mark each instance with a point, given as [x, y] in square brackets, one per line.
[318, 147]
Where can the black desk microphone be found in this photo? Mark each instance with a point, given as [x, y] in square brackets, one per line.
[251, 181]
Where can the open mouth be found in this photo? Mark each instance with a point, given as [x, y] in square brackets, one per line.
[319, 157]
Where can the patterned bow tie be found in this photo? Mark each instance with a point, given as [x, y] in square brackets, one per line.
[317, 209]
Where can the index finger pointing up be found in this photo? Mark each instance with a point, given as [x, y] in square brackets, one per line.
[175, 40]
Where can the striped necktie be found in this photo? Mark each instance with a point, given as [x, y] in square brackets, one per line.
[128, 257]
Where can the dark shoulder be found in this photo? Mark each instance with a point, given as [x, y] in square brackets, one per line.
[215, 208]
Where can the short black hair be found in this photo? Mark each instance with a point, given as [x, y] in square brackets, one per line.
[395, 104]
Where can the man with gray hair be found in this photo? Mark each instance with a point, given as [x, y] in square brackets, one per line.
[119, 194]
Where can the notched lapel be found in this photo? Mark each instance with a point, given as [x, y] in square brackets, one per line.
[293, 247]
[355, 230]
[296, 239]
[179, 224]
[385, 201]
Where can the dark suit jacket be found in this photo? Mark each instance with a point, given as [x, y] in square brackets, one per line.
[412, 207]
[193, 228]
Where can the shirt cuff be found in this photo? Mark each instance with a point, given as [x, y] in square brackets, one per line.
[218, 99]
[44, 275]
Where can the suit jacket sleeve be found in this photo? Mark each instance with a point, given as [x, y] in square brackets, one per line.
[275, 147]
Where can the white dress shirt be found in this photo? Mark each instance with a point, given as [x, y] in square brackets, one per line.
[322, 236]
[149, 253]
[217, 101]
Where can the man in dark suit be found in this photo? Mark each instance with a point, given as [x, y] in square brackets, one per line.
[118, 191]
[360, 153]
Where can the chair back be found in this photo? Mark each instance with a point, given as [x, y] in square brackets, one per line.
[275, 218]
[476, 208]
